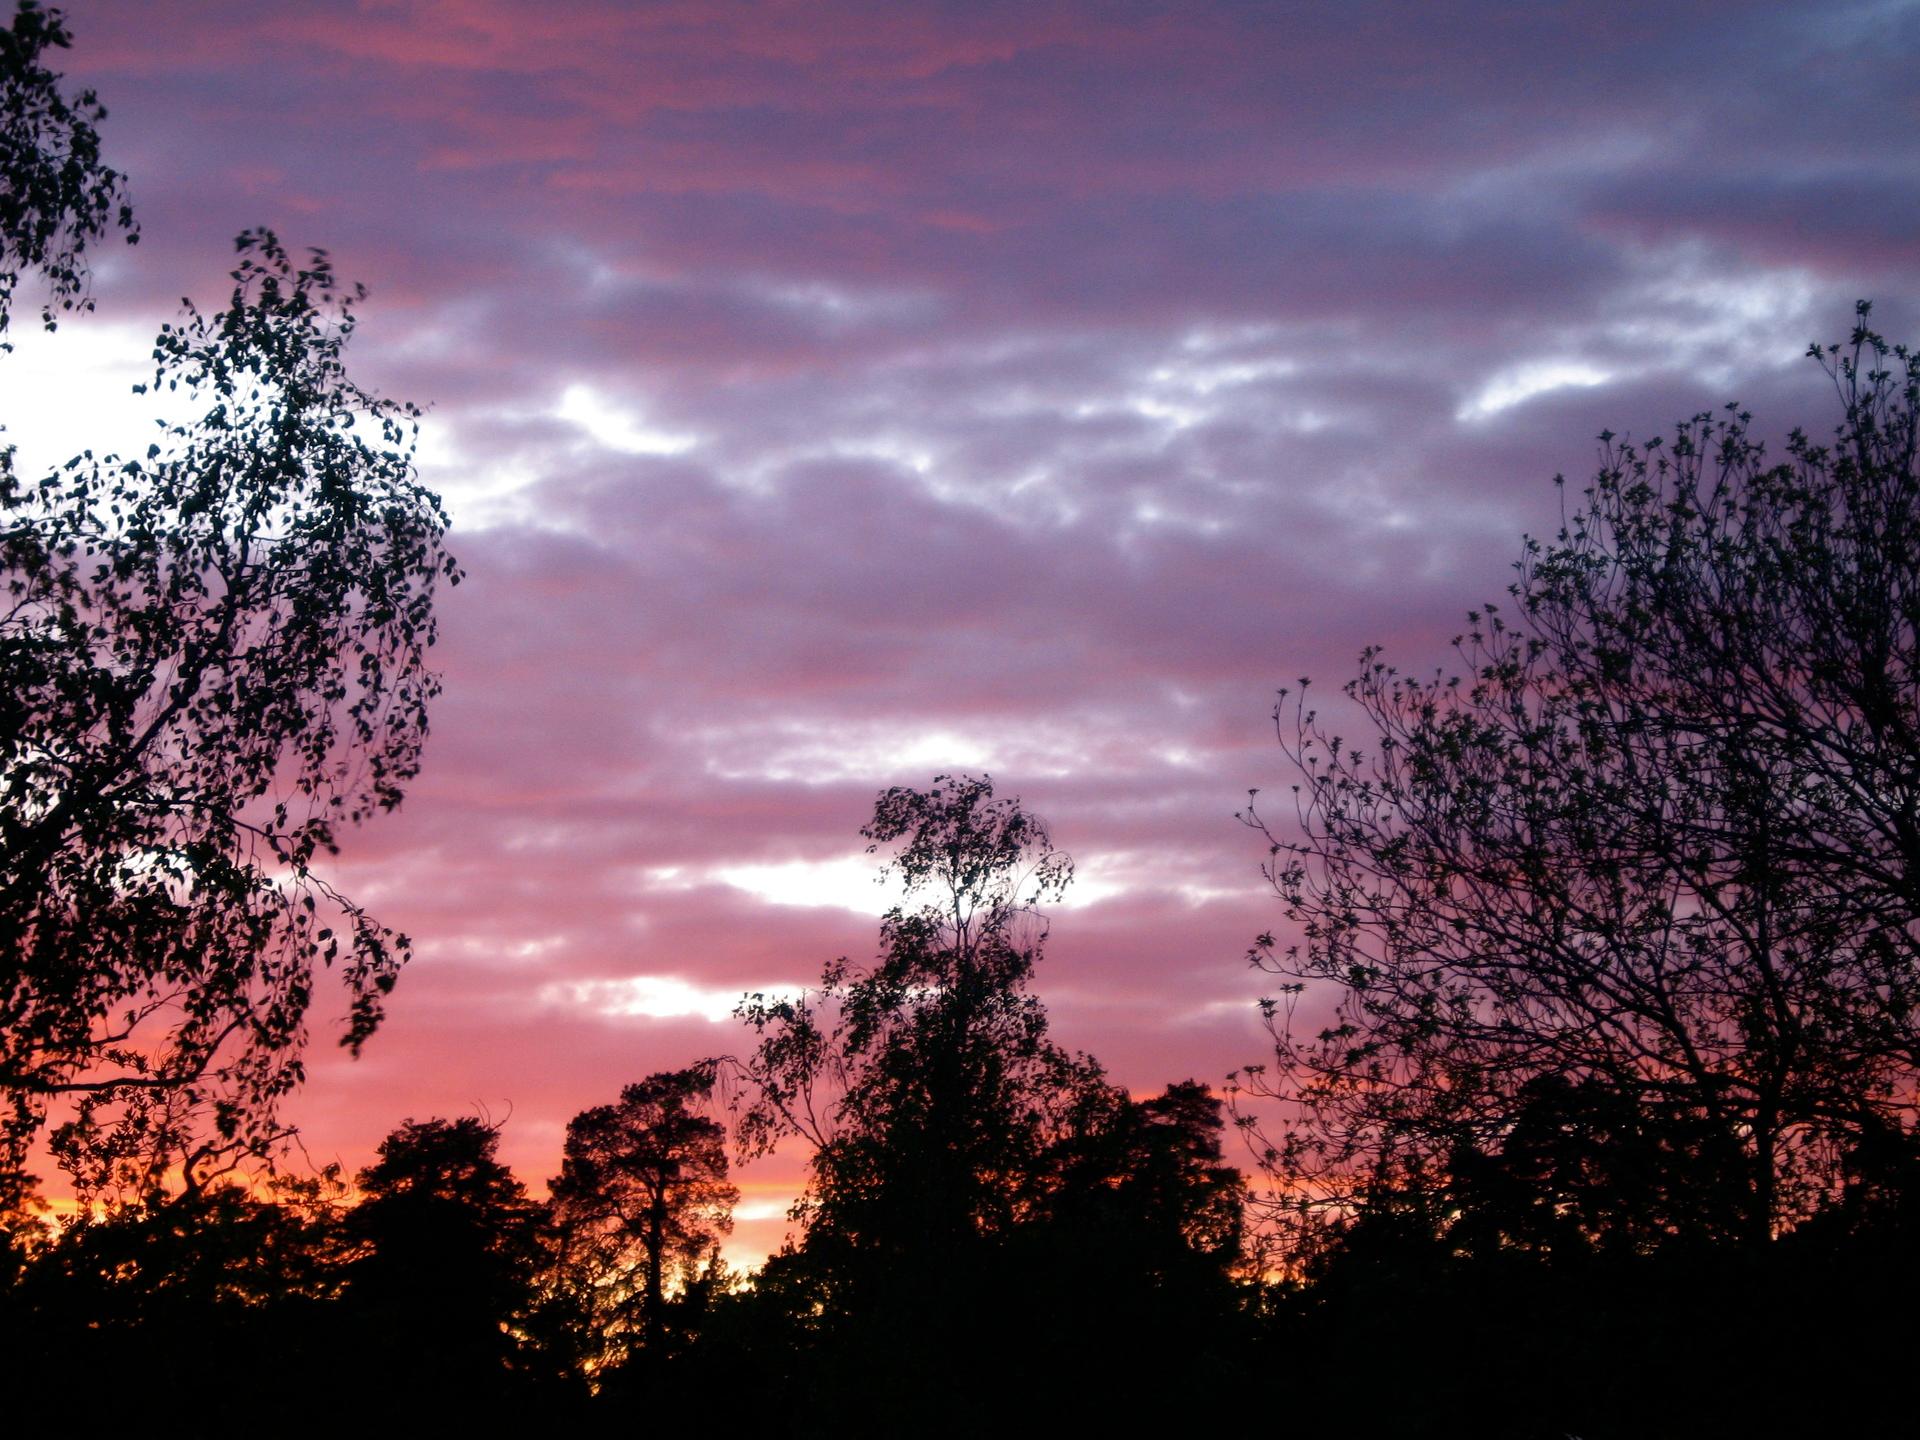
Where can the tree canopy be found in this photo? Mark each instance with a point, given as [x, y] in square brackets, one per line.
[641, 1203]
[926, 1083]
[981, 1202]
[212, 663]
[444, 1246]
[59, 196]
[1647, 864]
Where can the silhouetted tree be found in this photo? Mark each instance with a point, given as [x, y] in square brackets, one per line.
[1126, 1267]
[1154, 1170]
[1644, 879]
[985, 1213]
[446, 1250]
[218, 1291]
[1582, 1168]
[926, 1083]
[212, 661]
[641, 1202]
[58, 196]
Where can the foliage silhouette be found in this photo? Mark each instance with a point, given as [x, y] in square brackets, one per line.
[59, 197]
[641, 1203]
[986, 1214]
[212, 661]
[218, 1291]
[1621, 1086]
[1652, 857]
[926, 1084]
[445, 1247]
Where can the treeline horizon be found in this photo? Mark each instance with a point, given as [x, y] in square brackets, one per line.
[959, 1158]
[985, 1217]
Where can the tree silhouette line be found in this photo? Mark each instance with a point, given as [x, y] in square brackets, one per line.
[1611, 1130]
[959, 1159]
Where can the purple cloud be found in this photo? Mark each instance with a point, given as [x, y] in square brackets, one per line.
[830, 395]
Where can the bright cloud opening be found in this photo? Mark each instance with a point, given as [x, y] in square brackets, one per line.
[654, 997]
[849, 883]
[616, 428]
[1523, 382]
[804, 756]
[853, 883]
[73, 390]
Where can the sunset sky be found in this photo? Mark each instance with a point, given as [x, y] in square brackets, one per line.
[827, 395]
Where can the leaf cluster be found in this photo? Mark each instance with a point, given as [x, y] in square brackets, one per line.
[212, 661]
[59, 196]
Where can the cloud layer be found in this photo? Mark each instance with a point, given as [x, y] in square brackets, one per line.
[828, 395]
